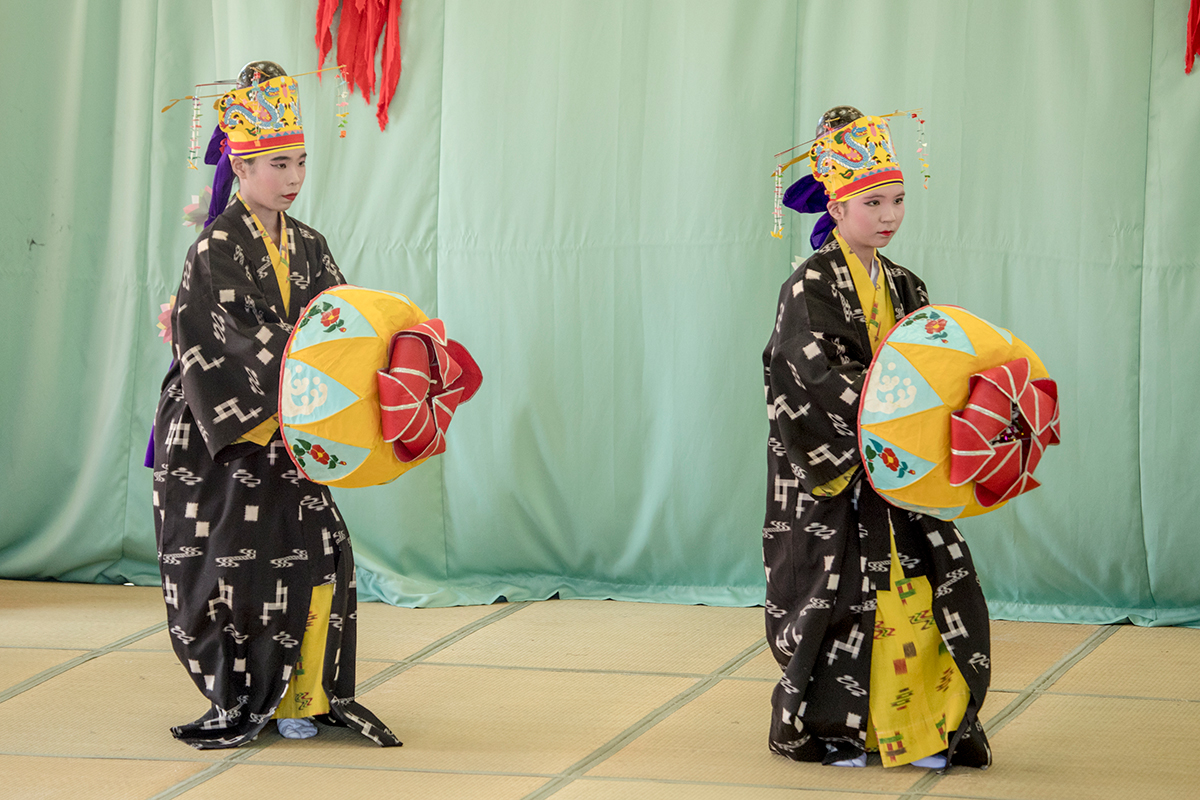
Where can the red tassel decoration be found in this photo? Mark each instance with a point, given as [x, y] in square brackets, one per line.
[347, 41]
[325, 12]
[1193, 36]
[390, 62]
[362, 24]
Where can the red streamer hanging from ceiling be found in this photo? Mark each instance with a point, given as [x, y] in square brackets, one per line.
[1193, 35]
[359, 30]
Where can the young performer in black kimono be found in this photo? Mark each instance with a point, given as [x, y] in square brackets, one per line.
[256, 564]
[874, 613]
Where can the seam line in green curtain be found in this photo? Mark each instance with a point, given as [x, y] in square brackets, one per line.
[142, 291]
[437, 269]
[791, 229]
[1141, 394]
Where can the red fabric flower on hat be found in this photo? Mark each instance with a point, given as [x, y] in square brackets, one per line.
[427, 377]
[998, 439]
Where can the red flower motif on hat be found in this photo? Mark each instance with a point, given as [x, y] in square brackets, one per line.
[319, 454]
[935, 326]
[329, 317]
[889, 459]
[302, 448]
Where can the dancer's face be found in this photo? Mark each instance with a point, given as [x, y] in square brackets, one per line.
[271, 183]
[870, 220]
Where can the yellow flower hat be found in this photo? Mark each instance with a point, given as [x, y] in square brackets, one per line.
[955, 414]
[351, 343]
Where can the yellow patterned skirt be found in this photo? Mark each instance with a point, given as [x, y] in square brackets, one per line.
[917, 696]
[305, 697]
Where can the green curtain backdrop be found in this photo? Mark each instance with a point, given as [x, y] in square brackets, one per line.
[581, 191]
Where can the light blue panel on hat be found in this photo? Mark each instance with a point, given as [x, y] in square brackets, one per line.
[345, 322]
[931, 327]
[306, 394]
[891, 467]
[894, 389]
[321, 459]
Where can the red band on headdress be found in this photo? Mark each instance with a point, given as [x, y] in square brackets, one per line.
[869, 182]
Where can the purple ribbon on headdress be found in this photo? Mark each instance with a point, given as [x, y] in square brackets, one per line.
[808, 196]
[218, 153]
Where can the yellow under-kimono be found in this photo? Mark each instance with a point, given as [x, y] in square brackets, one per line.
[305, 696]
[917, 695]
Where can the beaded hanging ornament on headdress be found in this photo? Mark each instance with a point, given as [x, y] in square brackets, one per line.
[922, 150]
[194, 146]
[343, 96]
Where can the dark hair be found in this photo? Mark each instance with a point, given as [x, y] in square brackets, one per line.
[259, 71]
[836, 117]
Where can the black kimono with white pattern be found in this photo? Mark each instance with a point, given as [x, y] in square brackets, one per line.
[826, 557]
[242, 537]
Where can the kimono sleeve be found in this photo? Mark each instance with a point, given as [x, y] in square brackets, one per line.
[815, 380]
[229, 342]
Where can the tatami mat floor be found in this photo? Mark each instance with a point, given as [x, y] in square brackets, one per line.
[575, 700]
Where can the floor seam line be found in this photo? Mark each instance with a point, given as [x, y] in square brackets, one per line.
[100, 757]
[213, 770]
[65, 666]
[420, 770]
[1047, 679]
[622, 739]
[890, 793]
[387, 673]
[1036, 688]
[573, 670]
[1123, 697]
[40, 648]
[582, 671]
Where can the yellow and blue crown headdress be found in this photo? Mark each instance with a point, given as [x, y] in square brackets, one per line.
[262, 118]
[850, 155]
[261, 115]
[855, 158]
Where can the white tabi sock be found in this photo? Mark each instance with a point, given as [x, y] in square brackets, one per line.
[858, 761]
[935, 761]
[297, 728]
